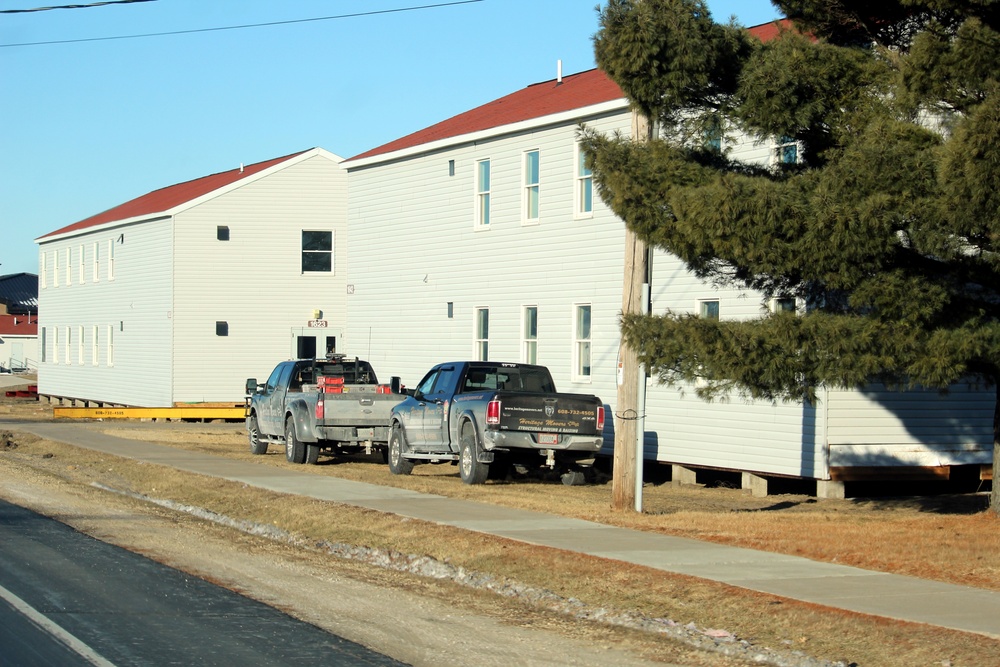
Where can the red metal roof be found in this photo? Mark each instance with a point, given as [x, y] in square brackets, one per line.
[18, 325]
[541, 99]
[576, 91]
[164, 199]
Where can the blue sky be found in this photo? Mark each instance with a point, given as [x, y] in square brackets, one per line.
[89, 125]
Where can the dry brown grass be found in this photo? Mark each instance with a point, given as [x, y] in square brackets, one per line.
[953, 543]
[764, 619]
[946, 538]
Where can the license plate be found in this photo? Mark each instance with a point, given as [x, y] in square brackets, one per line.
[548, 438]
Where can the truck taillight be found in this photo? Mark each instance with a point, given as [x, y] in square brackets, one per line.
[493, 412]
[600, 418]
[320, 405]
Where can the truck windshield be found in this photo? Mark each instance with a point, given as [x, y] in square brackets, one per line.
[505, 378]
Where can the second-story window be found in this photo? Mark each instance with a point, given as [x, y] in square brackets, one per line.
[483, 193]
[531, 182]
[97, 261]
[317, 252]
[584, 184]
[786, 151]
[111, 259]
[482, 334]
[69, 267]
[529, 345]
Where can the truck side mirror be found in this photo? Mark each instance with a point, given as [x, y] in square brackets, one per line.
[395, 385]
[252, 386]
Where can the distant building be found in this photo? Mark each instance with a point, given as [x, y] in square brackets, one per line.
[18, 322]
[180, 295]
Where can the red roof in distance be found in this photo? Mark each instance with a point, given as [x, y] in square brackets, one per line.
[575, 91]
[164, 199]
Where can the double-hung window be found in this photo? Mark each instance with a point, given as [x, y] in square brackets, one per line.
[581, 342]
[483, 193]
[111, 259]
[97, 262]
[482, 351]
[69, 267]
[529, 335]
[584, 185]
[531, 181]
[317, 251]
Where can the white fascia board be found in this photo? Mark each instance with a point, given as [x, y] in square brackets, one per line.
[180, 208]
[574, 115]
[103, 227]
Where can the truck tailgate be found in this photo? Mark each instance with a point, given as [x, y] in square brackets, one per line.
[549, 413]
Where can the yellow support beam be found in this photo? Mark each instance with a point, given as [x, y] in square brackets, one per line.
[181, 412]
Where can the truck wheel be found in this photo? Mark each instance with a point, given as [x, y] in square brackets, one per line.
[469, 467]
[312, 454]
[295, 451]
[257, 444]
[397, 464]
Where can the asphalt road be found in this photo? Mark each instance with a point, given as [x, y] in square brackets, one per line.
[68, 599]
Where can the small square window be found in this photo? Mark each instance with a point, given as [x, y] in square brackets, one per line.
[709, 310]
[222, 233]
[784, 305]
[222, 328]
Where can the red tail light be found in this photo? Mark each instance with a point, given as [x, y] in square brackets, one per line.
[320, 406]
[493, 412]
[600, 418]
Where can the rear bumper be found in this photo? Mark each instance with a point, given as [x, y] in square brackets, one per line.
[525, 440]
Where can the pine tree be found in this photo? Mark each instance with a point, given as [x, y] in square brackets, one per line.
[887, 226]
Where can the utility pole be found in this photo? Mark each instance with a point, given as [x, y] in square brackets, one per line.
[624, 479]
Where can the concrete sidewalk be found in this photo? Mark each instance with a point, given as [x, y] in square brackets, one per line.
[867, 592]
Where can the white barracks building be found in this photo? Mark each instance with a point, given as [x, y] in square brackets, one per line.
[480, 237]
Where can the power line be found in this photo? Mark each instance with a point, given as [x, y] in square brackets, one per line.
[249, 25]
[87, 6]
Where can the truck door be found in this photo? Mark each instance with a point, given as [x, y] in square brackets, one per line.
[272, 404]
[413, 419]
[437, 408]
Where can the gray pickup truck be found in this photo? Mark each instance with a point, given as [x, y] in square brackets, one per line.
[332, 405]
[482, 414]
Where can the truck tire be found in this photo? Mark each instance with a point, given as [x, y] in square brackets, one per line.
[312, 454]
[295, 450]
[397, 443]
[469, 467]
[257, 444]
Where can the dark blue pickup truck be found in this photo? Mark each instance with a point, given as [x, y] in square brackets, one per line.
[484, 413]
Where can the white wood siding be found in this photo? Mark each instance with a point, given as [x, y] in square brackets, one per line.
[414, 248]
[134, 304]
[254, 281]
[883, 427]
